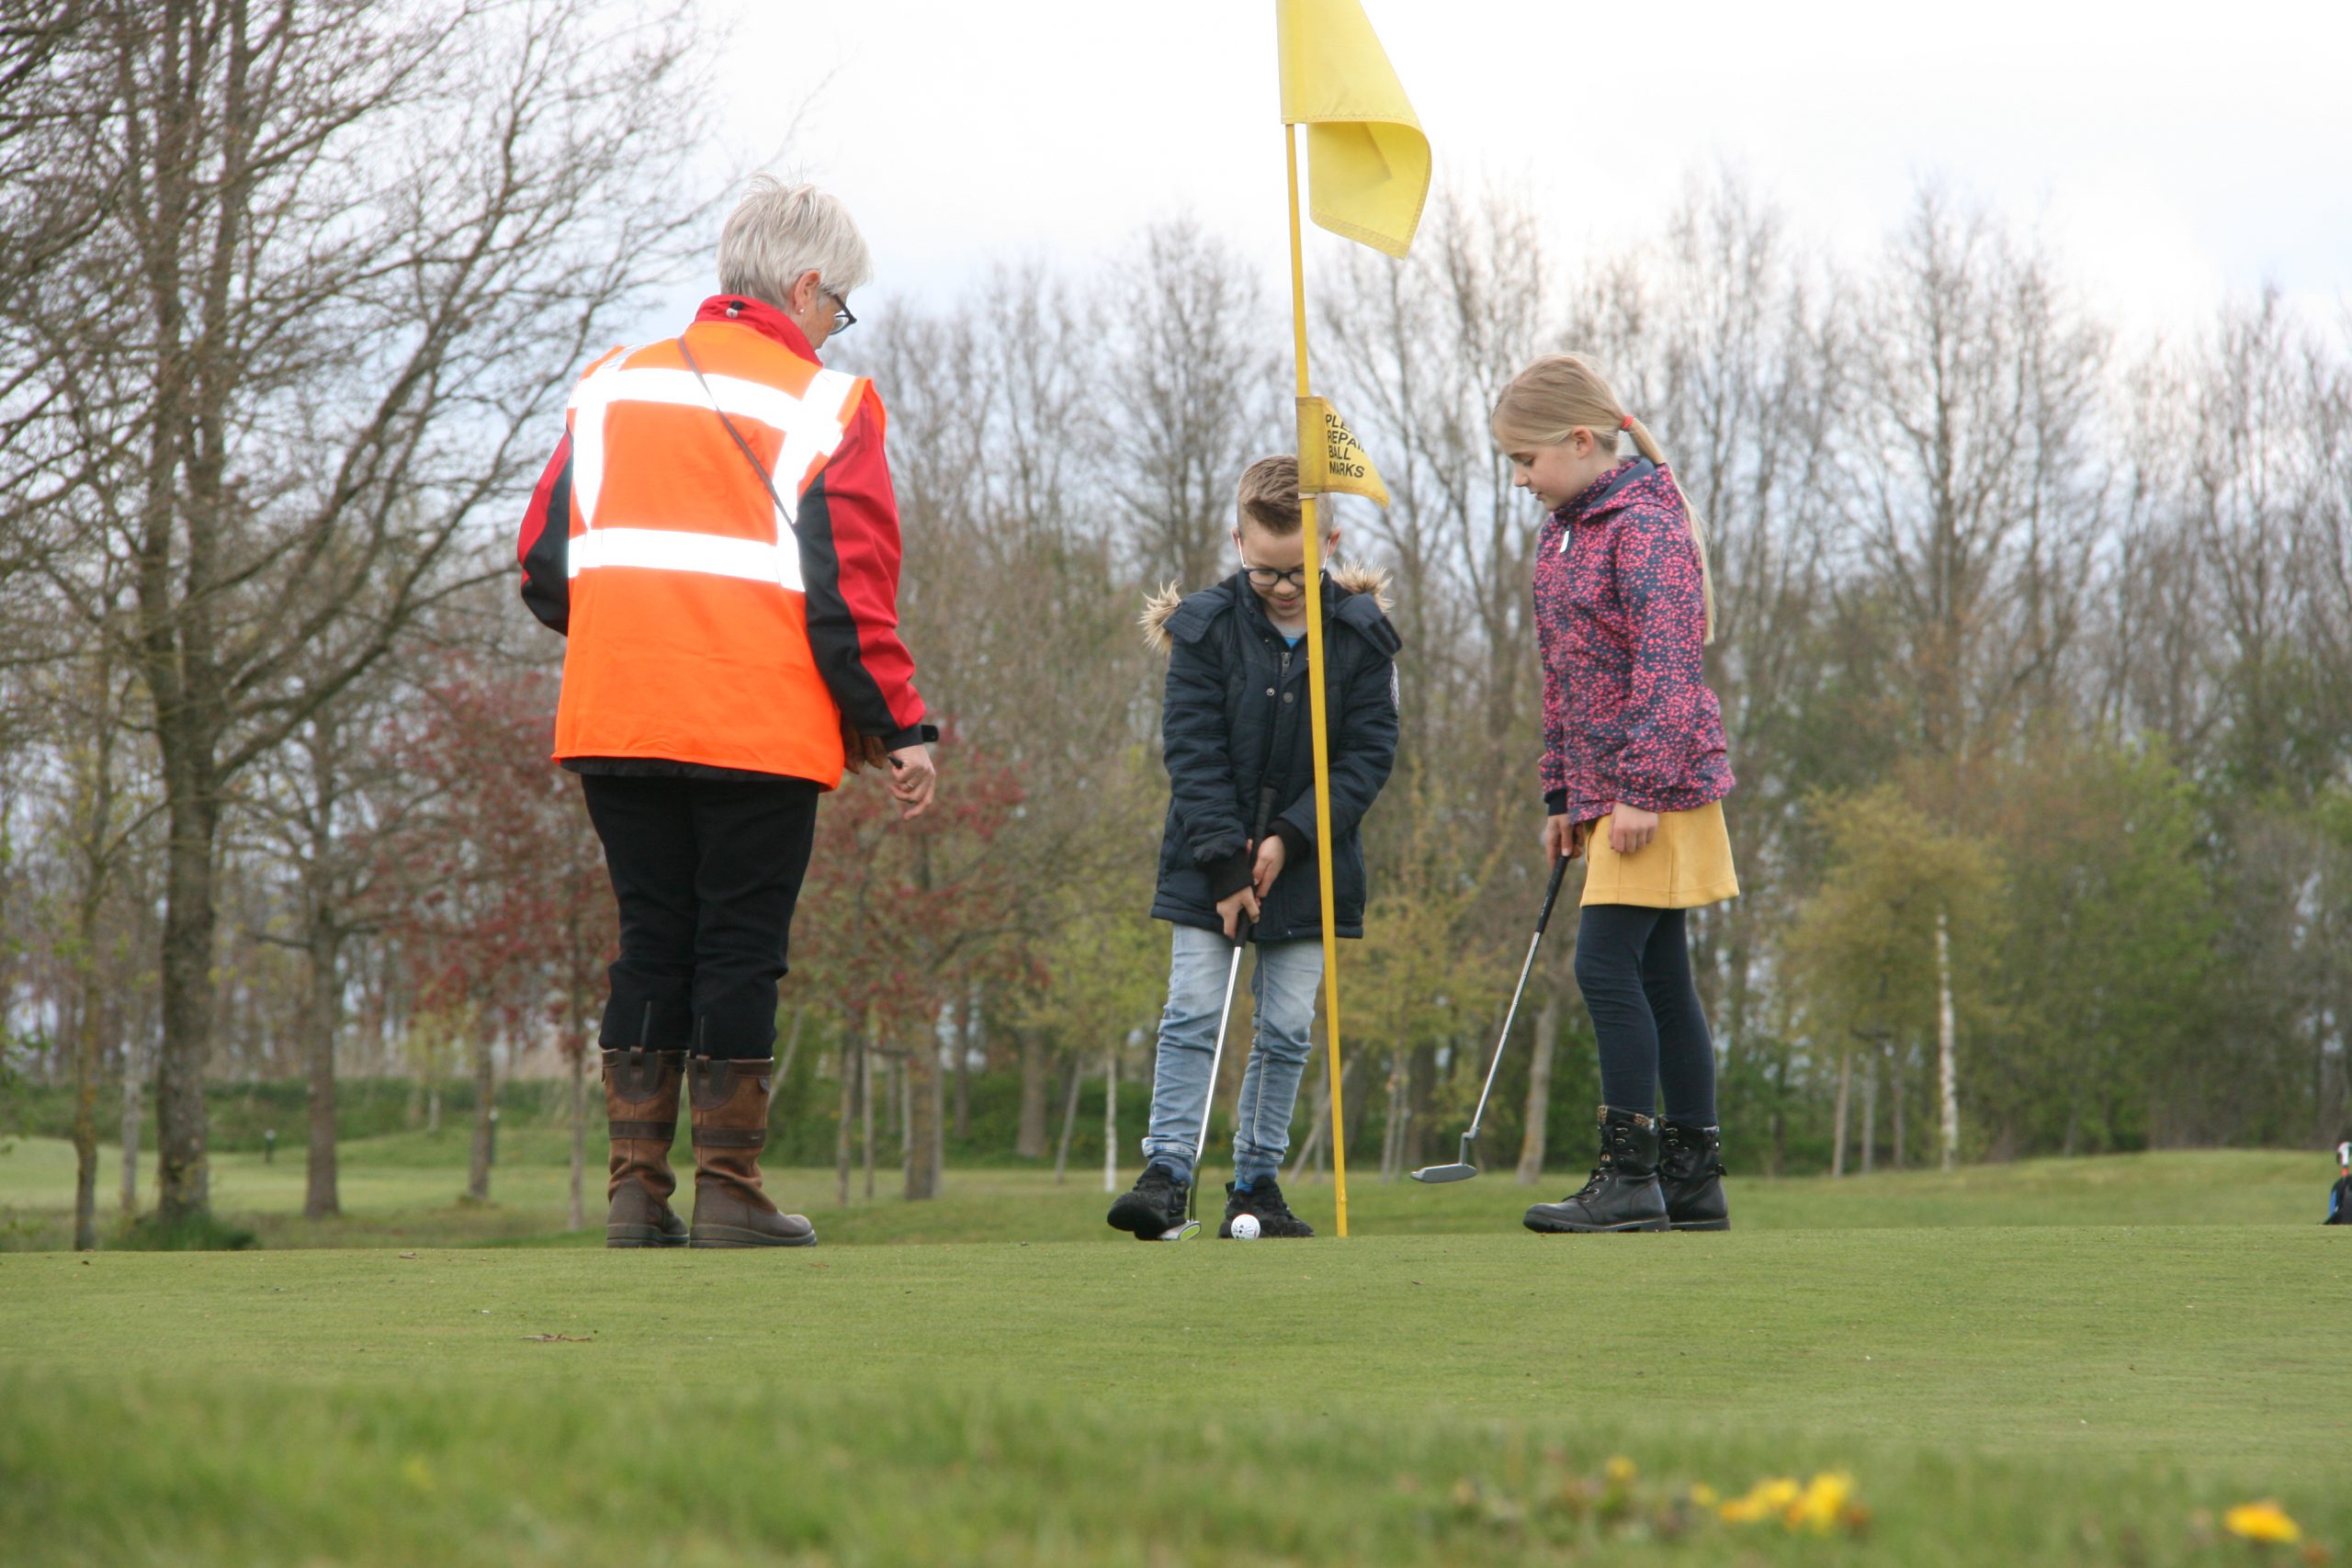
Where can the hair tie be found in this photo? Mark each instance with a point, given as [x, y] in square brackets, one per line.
[1626, 423]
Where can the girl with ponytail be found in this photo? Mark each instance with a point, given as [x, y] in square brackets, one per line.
[1633, 777]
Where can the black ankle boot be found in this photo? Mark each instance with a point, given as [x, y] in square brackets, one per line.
[1623, 1195]
[1690, 1173]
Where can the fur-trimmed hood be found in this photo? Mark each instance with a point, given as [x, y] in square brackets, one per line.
[1349, 578]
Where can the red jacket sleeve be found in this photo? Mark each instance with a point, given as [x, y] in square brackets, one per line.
[848, 530]
[544, 544]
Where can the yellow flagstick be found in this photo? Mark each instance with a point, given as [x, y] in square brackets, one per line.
[1316, 708]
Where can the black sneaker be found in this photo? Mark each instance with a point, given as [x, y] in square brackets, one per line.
[1153, 1209]
[1265, 1200]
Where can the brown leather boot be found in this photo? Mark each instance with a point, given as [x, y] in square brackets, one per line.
[730, 1102]
[642, 1114]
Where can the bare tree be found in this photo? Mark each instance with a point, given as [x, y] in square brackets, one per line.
[366, 248]
[1977, 485]
[1192, 380]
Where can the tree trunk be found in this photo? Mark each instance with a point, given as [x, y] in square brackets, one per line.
[902, 1102]
[1392, 1138]
[131, 1079]
[85, 1096]
[865, 1110]
[432, 1107]
[182, 1173]
[485, 1106]
[791, 1048]
[1351, 1110]
[320, 1197]
[1947, 1063]
[1869, 1111]
[1302, 1158]
[1539, 1092]
[1895, 1076]
[849, 1112]
[1420, 1094]
[1838, 1120]
[921, 1076]
[578, 1052]
[1069, 1117]
[966, 1031]
[938, 1128]
[1111, 1119]
[1029, 1143]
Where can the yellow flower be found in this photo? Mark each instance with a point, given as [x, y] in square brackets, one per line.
[1619, 1470]
[417, 1473]
[1822, 1505]
[1767, 1499]
[2264, 1521]
[1702, 1495]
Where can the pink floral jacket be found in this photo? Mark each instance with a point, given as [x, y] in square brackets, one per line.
[1621, 615]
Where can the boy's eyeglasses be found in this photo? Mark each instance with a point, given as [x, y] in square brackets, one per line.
[842, 320]
[1267, 577]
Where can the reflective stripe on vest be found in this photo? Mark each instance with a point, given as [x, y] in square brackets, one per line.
[812, 426]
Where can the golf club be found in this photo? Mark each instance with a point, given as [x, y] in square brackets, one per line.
[1463, 1169]
[1241, 927]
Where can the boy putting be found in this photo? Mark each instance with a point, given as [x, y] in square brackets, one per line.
[1237, 742]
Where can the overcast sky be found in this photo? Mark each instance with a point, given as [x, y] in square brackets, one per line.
[2167, 153]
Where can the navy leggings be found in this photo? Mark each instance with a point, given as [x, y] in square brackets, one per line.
[1633, 966]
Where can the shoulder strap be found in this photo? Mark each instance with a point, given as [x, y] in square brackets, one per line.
[741, 444]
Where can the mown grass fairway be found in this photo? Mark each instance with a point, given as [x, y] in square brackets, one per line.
[2001, 1394]
[402, 1191]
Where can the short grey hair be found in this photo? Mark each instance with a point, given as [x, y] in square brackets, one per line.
[779, 231]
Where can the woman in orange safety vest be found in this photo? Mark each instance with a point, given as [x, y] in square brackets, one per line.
[717, 538]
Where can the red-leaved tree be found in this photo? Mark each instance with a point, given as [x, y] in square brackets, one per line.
[897, 918]
[500, 897]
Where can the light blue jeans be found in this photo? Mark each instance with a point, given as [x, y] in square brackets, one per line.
[1282, 984]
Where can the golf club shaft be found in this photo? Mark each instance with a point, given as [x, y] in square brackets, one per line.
[1216, 1054]
[1241, 929]
[1551, 896]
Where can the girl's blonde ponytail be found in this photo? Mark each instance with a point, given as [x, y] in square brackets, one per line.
[1563, 392]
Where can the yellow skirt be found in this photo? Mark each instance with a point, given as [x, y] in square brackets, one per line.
[1686, 866]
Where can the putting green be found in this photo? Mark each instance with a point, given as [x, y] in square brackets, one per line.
[1993, 1391]
[2007, 1366]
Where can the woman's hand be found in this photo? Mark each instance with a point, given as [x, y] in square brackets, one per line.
[1562, 839]
[912, 780]
[1631, 828]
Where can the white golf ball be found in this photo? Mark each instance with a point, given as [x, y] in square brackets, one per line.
[1245, 1227]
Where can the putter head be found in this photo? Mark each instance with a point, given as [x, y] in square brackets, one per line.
[1460, 1170]
[1184, 1232]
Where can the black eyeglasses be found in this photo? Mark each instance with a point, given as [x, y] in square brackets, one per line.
[1269, 577]
[842, 320]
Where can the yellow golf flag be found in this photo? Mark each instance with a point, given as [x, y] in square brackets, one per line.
[1331, 461]
[1367, 161]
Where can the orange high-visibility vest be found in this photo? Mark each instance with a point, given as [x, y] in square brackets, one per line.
[689, 637]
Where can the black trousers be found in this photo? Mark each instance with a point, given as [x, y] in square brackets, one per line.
[1633, 966]
[706, 872]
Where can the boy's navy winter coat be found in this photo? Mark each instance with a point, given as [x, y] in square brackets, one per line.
[1234, 722]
